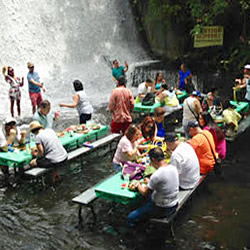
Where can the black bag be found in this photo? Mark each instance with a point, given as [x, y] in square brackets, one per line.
[189, 87]
[149, 99]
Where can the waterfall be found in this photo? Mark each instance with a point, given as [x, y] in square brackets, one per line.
[66, 40]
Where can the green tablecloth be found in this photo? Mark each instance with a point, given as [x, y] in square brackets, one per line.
[183, 95]
[112, 190]
[241, 107]
[22, 158]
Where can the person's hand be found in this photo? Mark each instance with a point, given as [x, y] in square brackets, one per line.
[146, 180]
[34, 152]
[57, 115]
[44, 90]
[61, 105]
[126, 64]
[33, 163]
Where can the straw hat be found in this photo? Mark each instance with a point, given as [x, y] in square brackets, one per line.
[35, 125]
[30, 64]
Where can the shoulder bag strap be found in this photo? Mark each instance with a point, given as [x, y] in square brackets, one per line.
[210, 147]
[197, 118]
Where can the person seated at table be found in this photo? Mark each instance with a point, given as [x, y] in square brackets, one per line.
[44, 116]
[148, 133]
[80, 102]
[217, 108]
[207, 123]
[159, 80]
[162, 189]
[49, 153]
[143, 89]
[184, 81]
[159, 114]
[203, 144]
[184, 158]
[231, 118]
[208, 101]
[10, 135]
[169, 99]
[127, 147]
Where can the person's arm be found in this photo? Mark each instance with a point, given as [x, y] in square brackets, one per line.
[132, 102]
[143, 190]
[40, 150]
[178, 81]
[39, 84]
[198, 108]
[76, 99]
[126, 66]
[10, 139]
[132, 154]
[115, 80]
[112, 102]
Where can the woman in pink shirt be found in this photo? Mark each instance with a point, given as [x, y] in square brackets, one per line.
[127, 147]
[207, 123]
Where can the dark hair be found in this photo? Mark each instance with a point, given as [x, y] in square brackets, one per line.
[44, 104]
[115, 61]
[35, 130]
[159, 111]
[130, 132]
[227, 104]
[145, 122]
[78, 85]
[157, 74]
[122, 80]
[171, 137]
[149, 80]
[209, 121]
[164, 86]
[157, 154]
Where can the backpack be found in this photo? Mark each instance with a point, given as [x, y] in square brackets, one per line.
[133, 170]
[149, 99]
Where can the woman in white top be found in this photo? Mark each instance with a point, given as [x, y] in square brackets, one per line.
[80, 102]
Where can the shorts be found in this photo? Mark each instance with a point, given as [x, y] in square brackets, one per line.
[118, 127]
[84, 118]
[45, 163]
[35, 98]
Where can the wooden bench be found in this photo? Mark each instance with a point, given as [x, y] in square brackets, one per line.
[183, 196]
[37, 172]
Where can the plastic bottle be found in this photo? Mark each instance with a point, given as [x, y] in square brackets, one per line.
[27, 146]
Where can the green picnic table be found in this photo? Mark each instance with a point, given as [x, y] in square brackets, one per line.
[241, 107]
[21, 158]
[111, 189]
[182, 96]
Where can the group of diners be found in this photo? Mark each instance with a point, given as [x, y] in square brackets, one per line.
[190, 158]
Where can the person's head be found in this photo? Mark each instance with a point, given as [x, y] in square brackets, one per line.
[44, 107]
[10, 71]
[183, 67]
[149, 82]
[217, 101]
[205, 118]
[172, 140]
[193, 128]
[227, 104]
[215, 91]
[132, 133]
[159, 76]
[196, 94]
[156, 156]
[9, 123]
[210, 96]
[159, 114]
[35, 127]
[121, 81]
[115, 64]
[78, 86]
[148, 127]
[247, 69]
[30, 66]
[164, 86]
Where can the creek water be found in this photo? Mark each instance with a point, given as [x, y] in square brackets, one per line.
[67, 40]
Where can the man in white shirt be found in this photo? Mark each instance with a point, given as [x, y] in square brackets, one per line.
[144, 88]
[184, 158]
[164, 186]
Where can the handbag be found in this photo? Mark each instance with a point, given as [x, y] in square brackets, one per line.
[133, 170]
[149, 99]
[217, 165]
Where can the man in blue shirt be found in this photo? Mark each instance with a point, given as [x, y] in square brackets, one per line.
[118, 70]
[34, 87]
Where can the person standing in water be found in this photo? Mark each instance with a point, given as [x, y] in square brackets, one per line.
[80, 102]
[35, 87]
[118, 71]
[14, 91]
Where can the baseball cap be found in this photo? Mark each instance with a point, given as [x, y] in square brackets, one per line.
[247, 66]
[193, 124]
[196, 93]
[9, 120]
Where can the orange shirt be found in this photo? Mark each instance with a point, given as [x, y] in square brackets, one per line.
[203, 150]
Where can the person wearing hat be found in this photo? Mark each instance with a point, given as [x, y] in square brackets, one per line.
[118, 71]
[191, 110]
[163, 186]
[14, 91]
[50, 153]
[245, 83]
[10, 134]
[44, 116]
[121, 104]
[80, 102]
[203, 144]
[184, 158]
[35, 87]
